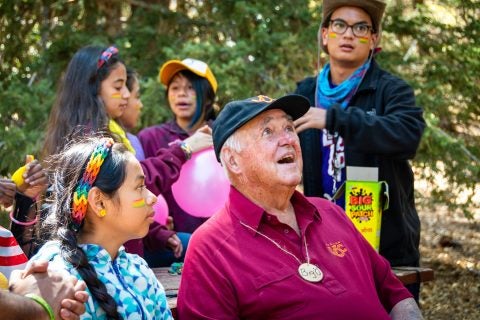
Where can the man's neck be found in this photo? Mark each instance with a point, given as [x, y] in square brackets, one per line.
[339, 71]
[276, 202]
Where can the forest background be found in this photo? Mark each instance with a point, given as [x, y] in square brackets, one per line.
[253, 47]
[265, 47]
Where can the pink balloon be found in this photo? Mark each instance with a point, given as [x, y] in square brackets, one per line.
[161, 210]
[202, 188]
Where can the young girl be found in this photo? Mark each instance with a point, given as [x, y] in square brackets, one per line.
[191, 88]
[129, 119]
[91, 95]
[99, 201]
[159, 238]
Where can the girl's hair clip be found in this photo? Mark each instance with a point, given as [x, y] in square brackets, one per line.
[107, 54]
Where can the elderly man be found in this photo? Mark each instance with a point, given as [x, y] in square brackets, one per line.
[271, 253]
[362, 116]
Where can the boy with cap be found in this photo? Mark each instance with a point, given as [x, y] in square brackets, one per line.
[362, 116]
[271, 253]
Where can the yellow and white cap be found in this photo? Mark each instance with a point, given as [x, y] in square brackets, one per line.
[200, 68]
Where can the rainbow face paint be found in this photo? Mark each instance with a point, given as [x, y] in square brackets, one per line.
[363, 40]
[116, 96]
[140, 203]
[332, 35]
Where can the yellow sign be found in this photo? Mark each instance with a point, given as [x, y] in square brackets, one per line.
[363, 205]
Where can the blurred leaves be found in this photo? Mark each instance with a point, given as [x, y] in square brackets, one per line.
[252, 47]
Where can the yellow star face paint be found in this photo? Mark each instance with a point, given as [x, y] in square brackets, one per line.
[116, 95]
[139, 203]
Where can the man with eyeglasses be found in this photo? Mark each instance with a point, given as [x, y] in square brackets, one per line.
[362, 116]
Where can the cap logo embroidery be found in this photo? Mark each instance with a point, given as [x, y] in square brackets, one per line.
[337, 249]
[262, 98]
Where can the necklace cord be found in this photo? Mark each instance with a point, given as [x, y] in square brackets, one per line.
[278, 245]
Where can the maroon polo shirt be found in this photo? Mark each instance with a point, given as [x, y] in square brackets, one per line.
[232, 272]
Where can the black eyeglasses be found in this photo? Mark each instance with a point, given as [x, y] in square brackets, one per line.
[359, 29]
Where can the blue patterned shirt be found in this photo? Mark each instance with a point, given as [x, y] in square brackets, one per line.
[128, 280]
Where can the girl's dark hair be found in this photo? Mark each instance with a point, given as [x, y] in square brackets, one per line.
[69, 166]
[78, 108]
[132, 76]
[205, 97]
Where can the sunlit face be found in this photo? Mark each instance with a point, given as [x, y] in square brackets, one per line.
[114, 92]
[129, 118]
[347, 48]
[182, 98]
[270, 154]
[131, 212]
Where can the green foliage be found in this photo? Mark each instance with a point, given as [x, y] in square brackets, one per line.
[252, 47]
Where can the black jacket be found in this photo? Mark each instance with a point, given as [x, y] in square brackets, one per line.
[381, 127]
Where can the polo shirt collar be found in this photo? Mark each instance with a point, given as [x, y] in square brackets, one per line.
[251, 214]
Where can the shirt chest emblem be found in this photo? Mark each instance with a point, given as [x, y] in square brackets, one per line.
[337, 249]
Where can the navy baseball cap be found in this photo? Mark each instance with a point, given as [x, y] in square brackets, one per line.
[237, 113]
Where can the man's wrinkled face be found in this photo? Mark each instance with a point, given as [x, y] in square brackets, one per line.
[270, 154]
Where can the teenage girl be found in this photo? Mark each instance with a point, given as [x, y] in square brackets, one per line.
[190, 92]
[91, 95]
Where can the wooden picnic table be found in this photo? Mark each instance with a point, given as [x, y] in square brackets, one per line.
[171, 282]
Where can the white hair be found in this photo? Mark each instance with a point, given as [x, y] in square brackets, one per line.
[233, 143]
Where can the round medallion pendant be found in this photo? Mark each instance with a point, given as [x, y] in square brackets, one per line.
[310, 272]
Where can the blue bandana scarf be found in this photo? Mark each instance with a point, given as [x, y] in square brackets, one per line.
[326, 96]
[333, 148]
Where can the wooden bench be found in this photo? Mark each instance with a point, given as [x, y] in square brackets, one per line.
[410, 275]
[171, 282]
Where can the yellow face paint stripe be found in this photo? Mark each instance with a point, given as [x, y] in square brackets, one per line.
[116, 95]
[332, 35]
[139, 203]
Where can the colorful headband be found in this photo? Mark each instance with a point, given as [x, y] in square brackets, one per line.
[80, 201]
[107, 54]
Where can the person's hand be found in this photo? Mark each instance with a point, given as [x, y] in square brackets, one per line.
[7, 192]
[65, 294]
[169, 225]
[35, 179]
[175, 244]
[314, 118]
[73, 308]
[201, 139]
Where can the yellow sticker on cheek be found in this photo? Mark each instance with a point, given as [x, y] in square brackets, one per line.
[139, 203]
[116, 95]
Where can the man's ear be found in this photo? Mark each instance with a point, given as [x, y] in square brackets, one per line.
[373, 44]
[96, 200]
[230, 160]
[324, 32]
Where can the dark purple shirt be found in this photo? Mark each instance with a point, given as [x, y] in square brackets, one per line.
[232, 272]
[157, 140]
[158, 235]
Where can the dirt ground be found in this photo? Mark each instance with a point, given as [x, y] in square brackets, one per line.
[450, 245]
